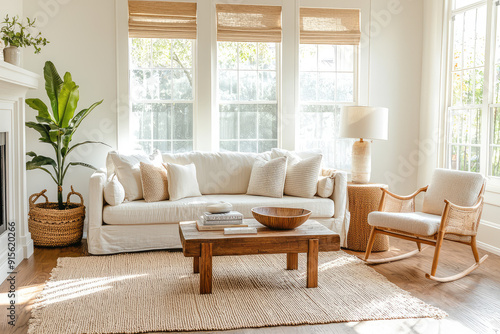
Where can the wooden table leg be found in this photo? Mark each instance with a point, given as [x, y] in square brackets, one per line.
[206, 269]
[312, 263]
[292, 261]
[196, 264]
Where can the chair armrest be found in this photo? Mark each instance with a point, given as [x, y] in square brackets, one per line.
[391, 202]
[461, 220]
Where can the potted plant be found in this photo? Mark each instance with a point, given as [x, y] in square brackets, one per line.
[15, 35]
[60, 223]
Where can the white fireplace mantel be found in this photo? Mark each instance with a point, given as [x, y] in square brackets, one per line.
[14, 84]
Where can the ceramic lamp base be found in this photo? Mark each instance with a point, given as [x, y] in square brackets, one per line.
[361, 161]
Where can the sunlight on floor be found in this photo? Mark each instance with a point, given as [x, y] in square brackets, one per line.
[410, 326]
[58, 291]
[23, 294]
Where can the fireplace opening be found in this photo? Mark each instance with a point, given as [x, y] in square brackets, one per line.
[3, 183]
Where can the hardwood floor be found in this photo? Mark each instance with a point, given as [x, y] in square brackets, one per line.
[473, 303]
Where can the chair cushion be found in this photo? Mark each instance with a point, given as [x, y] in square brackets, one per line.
[460, 188]
[412, 222]
[165, 212]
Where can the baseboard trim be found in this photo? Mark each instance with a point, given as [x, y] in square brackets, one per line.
[488, 247]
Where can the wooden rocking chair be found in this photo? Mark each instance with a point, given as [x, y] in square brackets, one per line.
[452, 210]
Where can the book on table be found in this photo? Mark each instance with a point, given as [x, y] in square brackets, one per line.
[202, 226]
[228, 216]
[240, 230]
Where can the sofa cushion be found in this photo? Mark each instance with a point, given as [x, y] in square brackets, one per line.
[140, 212]
[219, 172]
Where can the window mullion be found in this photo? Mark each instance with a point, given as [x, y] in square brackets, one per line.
[488, 88]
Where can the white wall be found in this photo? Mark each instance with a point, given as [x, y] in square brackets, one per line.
[83, 42]
[395, 73]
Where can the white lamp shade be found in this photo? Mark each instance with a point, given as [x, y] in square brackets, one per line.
[364, 122]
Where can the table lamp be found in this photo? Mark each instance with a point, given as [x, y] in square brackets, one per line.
[365, 123]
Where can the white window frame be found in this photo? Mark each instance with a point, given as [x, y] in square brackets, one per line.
[486, 130]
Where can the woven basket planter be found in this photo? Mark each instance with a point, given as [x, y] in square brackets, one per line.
[52, 227]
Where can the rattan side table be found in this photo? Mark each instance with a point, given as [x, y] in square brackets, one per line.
[363, 199]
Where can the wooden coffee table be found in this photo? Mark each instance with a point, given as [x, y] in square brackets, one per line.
[310, 238]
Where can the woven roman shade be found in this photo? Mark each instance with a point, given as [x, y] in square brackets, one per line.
[162, 19]
[329, 26]
[248, 23]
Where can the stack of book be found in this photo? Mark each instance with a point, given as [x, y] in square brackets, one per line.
[218, 221]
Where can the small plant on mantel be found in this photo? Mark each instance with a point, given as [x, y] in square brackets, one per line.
[14, 33]
[61, 223]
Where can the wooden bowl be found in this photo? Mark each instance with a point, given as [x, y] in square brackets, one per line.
[280, 218]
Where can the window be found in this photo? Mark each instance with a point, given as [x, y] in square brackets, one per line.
[472, 115]
[161, 74]
[248, 104]
[328, 69]
[327, 82]
[161, 94]
[247, 57]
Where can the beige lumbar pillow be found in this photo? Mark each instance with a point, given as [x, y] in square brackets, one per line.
[154, 182]
[182, 181]
[268, 178]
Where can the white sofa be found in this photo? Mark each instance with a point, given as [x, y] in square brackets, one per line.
[222, 176]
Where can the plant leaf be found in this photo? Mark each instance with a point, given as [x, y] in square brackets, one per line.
[86, 142]
[68, 100]
[53, 85]
[53, 135]
[44, 131]
[75, 122]
[39, 161]
[82, 164]
[41, 107]
[44, 120]
[31, 154]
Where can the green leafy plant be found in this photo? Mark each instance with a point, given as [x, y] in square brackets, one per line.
[58, 126]
[14, 33]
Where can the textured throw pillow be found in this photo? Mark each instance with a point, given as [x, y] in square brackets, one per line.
[325, 186]
[114, 194]
[128, 171]
[182, 181]
[268, 178]
[154, 182]
[302, 177]
[302, 172]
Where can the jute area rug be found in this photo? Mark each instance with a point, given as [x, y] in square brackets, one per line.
[157, 291]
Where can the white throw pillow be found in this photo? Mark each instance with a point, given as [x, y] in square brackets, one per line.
[268, 178]
[302, 173]
[128, 171]
[182, 181]
[302, 177]
[326, 184]
[114, 194]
